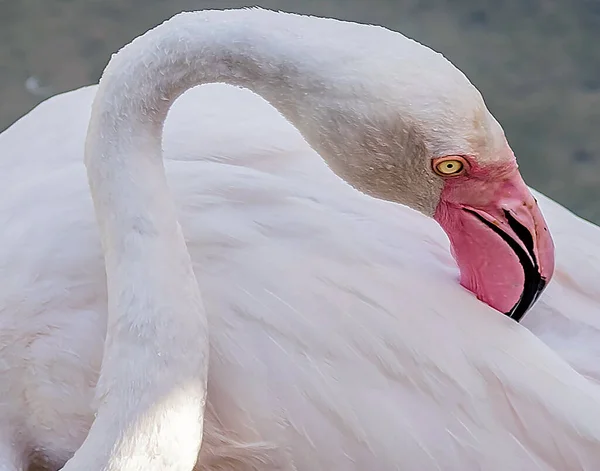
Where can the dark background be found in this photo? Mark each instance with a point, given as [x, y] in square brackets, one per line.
[537, 63]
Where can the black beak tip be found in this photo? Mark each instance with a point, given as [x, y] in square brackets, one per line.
[531, 293]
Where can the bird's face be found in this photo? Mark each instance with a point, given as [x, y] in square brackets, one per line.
[452, 162]
[462, 172]
[498, 235]
[459, 169]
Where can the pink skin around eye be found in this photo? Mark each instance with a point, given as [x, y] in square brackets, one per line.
[498, 235]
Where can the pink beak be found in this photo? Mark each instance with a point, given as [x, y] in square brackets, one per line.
[499, 240]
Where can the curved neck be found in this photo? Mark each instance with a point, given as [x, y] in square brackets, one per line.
[152, 386]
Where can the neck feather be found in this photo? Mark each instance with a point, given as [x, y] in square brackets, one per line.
[152, 386]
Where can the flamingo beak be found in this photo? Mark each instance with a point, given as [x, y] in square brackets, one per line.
[500, 242]
[525, 242]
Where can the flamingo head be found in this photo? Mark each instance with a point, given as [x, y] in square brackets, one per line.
[498, 235]
[420, 134]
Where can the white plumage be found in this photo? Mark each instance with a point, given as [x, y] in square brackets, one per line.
[340, 338]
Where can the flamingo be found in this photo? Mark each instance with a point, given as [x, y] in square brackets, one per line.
[288, 300]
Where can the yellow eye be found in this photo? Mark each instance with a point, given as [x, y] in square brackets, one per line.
[447, 167]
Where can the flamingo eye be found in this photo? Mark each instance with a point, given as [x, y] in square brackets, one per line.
[449, 166]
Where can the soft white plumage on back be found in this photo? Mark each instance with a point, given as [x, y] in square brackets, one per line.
[339, 328]
[339, 334]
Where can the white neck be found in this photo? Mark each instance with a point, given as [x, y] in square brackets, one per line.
[152, 385]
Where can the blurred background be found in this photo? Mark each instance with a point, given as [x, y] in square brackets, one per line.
[537, 63]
